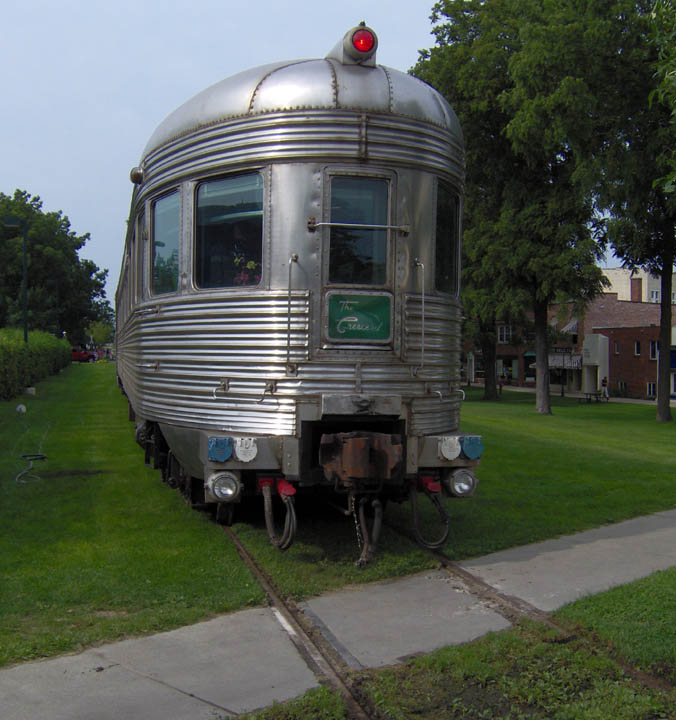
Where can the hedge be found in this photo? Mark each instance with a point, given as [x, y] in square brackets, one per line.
[23, 364]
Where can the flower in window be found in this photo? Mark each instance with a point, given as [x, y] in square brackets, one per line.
[249, 271]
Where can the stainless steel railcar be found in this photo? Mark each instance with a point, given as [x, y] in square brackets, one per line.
[288, 314]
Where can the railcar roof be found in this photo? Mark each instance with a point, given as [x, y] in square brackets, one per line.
[319, 84]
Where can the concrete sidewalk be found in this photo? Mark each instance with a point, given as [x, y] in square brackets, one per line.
[245, 661]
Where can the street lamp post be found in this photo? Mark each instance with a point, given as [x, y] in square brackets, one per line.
[12, 221]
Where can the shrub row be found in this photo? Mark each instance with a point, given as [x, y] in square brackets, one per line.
[22, 365]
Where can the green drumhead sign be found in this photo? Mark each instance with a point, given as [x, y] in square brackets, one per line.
[359, 317]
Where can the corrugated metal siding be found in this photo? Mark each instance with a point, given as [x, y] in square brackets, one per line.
[307, 136]
[173, 357]
[174, 360]
[434, 413]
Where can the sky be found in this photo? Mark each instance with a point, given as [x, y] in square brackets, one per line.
[84, 83]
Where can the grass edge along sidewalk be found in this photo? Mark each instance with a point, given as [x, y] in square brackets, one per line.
[529, 672]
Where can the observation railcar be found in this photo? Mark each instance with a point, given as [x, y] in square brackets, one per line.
[288, 316]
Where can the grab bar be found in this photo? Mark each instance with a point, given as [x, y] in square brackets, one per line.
[312, 225]
[290, 367]
[421, 265]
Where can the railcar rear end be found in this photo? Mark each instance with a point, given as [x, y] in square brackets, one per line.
[288, 315]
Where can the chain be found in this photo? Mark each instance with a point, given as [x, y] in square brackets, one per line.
[352, 508]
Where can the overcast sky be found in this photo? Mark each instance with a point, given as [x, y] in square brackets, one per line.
[84, 83]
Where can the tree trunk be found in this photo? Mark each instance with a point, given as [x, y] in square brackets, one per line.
[542, 402]
[489, 355]
[664, 355]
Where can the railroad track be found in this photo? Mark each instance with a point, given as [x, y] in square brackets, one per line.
[325, 660]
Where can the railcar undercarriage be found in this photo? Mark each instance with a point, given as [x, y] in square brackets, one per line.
[365, 468]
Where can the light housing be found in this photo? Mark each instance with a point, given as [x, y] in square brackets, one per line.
[358, 47]
[223, 487]
[460, 482]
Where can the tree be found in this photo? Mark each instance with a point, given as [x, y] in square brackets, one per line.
[633, 169]
[65, 293]
[528, 219]
[663, 35]
[101, 332]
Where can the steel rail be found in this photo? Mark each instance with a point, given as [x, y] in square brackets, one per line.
[320, 661]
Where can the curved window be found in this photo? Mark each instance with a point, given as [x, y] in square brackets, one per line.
[229, 232]
[447, 241]
[165, 244]
[358, 256]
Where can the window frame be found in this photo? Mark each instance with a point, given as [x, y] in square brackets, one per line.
[654, 349]
[455, 194]
[195, 231]
[141, 236]
[506, 331]
[153, 228]
[390, 238]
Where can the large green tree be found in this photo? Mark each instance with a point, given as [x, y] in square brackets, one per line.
[65, 293]
[529, 219]
[583, 79]
[663, 32]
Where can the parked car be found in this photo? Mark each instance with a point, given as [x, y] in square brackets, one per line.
[81, 354]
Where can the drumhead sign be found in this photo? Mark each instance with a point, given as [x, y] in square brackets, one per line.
[360, 317]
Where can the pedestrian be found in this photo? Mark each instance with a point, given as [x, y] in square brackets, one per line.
[604, 388]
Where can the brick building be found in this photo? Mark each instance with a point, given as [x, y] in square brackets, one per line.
[632, 360]
[632, 329]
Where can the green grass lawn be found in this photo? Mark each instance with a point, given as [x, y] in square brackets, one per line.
[637, 620]
[527, 673]
[98, 548]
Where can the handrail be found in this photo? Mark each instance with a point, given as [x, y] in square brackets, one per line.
[290, 367]
[418, 263]
[312, 225]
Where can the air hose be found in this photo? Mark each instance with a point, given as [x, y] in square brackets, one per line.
[445, 519]
[289, 533]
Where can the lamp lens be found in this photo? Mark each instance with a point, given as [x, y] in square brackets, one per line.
[363, 41]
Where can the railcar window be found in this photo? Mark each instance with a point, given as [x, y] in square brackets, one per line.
[140, 248]
[229, 232]
[165, 244]
[448, 226]
[358, 256]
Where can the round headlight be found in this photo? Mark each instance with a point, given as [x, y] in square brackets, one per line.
[225, 486]
[460, 482]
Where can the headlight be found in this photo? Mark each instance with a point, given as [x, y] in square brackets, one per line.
[224, 486]
[460, 482]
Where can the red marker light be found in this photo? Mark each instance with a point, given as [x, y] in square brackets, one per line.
[363, 41]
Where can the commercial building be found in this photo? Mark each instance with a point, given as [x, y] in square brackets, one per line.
[627, 314]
